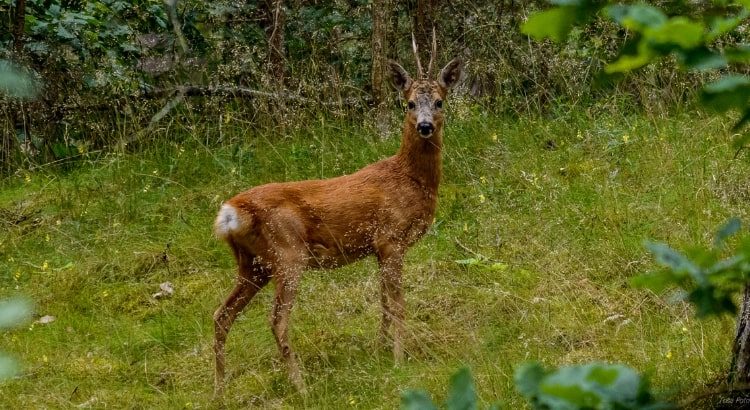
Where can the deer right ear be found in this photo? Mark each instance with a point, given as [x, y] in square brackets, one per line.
[399, 77]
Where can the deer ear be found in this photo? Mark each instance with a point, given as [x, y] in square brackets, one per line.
[399, 77]
[450, 74]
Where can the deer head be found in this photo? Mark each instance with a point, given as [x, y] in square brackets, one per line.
[424, 96]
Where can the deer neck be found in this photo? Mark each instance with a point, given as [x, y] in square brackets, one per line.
[421, 157]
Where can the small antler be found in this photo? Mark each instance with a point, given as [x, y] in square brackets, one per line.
[420, 73]
[433, 52]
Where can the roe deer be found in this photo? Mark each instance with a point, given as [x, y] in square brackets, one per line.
[278, 230]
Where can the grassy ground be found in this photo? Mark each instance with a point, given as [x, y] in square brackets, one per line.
[560, 207]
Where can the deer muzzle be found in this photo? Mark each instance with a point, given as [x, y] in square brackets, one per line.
[425, 129]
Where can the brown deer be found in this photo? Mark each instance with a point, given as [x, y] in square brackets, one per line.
[278, 230]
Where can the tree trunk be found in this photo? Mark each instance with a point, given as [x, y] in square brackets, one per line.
[8, 142]
[19, 26]
[379, 52]
[739, 371]
[379, 41]
[423, 22]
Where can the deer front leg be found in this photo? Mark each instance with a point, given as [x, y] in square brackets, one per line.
[248, 284]
[392, 299]
[286, 281]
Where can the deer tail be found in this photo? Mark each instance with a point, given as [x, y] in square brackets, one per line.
[231, 221]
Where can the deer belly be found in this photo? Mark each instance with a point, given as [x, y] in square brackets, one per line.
[328, 256]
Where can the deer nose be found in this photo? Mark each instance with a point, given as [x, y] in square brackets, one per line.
[425, 128]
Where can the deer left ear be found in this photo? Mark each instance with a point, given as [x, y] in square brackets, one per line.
[451, 73]
[399, 77]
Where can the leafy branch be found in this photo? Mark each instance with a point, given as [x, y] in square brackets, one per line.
[694, 42]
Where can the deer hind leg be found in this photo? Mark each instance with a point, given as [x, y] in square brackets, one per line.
[251, 278]
[392, 299]
[385, 323]
[286, 281]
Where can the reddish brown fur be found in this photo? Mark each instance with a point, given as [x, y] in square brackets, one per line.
[284, 228]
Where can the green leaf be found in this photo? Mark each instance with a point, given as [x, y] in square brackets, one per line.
[676, 261]
[739, 54]
[554, 24]
[527, 378]
[63, 33]
[702, 59]
[719, 26]
[16, 82]
[462, 395]
[636, 16]
[568, 396]
[728, 92]
[587, 386]
[708, 301]
[8, 367]
[731, 227]
[416, 400]
[679, 31]
[627, 63]
[14, 312]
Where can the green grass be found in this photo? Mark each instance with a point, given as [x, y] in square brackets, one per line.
[562, 204]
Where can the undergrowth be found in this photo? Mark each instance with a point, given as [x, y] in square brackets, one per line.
[540, 227]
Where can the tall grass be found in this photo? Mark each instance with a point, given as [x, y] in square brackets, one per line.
[554, 209]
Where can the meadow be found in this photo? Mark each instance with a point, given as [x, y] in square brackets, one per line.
[540, 228]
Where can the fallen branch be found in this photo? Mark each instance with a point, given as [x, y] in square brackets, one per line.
[213, 90]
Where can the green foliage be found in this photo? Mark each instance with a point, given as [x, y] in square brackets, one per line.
[705, 277]
[557, 22]
[578, 387]
[587, 386]
[16, 82]
[462, 395]
[13, 312]
[692, 41]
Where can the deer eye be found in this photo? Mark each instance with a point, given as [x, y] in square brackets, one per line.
[411, 105]
[439, 103]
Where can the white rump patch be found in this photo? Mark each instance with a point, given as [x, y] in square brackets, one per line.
[227, 221]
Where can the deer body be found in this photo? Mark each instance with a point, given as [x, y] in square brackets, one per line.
[278, 230]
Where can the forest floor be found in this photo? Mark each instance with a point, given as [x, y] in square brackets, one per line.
[540, 228]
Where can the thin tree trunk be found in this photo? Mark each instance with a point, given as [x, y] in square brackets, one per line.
[19, 26]
[18, 111]
[276, 43]
[171, 6]
[379, 41]
[739, 371]
[276, 59]
[379, 50]
[423, 22]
